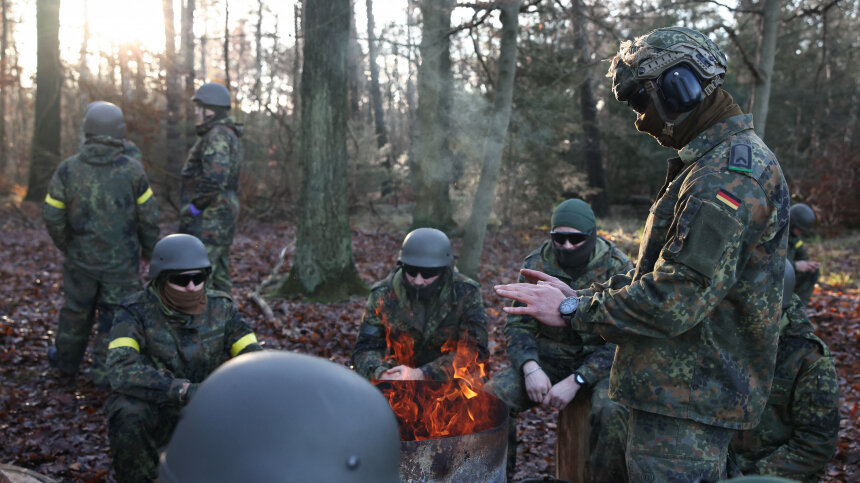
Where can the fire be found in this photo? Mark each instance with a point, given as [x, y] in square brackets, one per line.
[436, 409]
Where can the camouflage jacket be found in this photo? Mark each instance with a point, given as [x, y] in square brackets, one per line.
[210, 179]
[100, 211]
[697, 324]
[456, 316]
[796, 249]
[588, 354]
[154, 350]
[799, 427]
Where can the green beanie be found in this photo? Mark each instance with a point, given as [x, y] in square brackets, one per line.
[574, 213]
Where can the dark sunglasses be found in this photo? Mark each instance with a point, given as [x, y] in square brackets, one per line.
[573, 238]
[182, 279]
[426, 272]
[638, 101]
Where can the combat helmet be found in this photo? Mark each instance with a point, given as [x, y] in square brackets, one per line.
[178, 252]
[426, 247]
[802, 217]
[102, 118]
[213, 96]
[286, 417]
[788, 283]
[674, 67]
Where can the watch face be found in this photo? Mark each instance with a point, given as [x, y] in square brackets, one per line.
[579, 379]
[569, 305]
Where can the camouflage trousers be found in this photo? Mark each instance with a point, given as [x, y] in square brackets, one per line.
[806, 284]
[137, 430]
[219, 257]
[608, 420]
[666, 449]
[87, 300]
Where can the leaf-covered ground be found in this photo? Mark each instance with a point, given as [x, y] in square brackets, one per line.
[57, 426]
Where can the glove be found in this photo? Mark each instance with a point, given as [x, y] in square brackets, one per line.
[193, 209]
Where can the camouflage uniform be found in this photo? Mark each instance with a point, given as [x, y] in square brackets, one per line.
[697, 322]
[153, 352]
[456, 314]
[210, 179]
[101, 214]
[560, 352]
[799, 427]
[805, 280]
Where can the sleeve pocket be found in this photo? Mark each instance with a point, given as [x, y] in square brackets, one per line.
[703, 235]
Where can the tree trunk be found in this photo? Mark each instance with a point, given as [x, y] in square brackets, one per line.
[410, 99]
[258, 61]
[46, 131]
[433, 159]
[172, 94]
[588, 108]
[227, 43]
[767, 53]
[353, 61]
[482, 207]
[298, 12]
[323, 266]
[376, 96]
[4, 86]
[187, 46]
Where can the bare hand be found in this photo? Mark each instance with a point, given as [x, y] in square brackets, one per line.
[806, 265]
[536, 277]
[541, 301]
[402, 373]
[537, 382]
[562, 393]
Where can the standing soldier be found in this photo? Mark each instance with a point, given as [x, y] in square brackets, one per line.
[802, 222]
[101, 214]
[551, 365]
[697, 323]
[165, 341]
[427, 309]
[799, 427]
[210, 179]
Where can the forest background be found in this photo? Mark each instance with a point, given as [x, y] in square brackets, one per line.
[461, 115]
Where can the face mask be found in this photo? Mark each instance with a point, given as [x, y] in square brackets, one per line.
[651, 123]
[578, 257]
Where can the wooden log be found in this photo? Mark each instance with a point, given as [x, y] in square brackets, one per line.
[571, 447]
[16, 474]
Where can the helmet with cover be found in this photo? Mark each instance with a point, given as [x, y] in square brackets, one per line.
[280, 416]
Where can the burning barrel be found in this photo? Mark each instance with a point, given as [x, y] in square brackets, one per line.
[449, 432]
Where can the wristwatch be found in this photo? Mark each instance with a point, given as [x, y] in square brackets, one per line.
[568, 307]
[579, 379]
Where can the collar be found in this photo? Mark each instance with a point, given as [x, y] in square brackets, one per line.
[713, 136]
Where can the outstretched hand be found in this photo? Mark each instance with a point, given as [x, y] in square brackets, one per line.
[536, 277]
[541, 301]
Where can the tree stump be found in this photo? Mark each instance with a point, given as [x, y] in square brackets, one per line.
[571, 446]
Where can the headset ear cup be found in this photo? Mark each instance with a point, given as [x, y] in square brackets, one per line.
[680, 89]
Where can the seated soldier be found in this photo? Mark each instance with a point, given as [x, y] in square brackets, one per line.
[801, 223]
[798, 430]
[549, 365]
[427, 309]
[165, 340]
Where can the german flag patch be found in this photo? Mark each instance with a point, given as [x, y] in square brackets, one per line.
[728, 199]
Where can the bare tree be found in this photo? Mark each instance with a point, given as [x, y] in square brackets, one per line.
[376, 96]
[323, 265]
[4, 82]
[187, 48]
[482, 206]
[227, 43]
[172, 93]
[46, 132]
[767, 53]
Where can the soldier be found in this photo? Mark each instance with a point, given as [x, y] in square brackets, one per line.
[427, 309]
[210, 179]
[278, 416]
[697, 322]
[802, 221]
[165, 340]
[101, 214]
[551, 365]
[799, 427]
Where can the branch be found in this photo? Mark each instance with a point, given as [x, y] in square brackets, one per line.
[806, 12]
[747, 61]
[481, 58]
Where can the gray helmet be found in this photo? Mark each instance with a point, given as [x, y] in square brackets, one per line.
[178, 252]
[788, 284]
[213, 95]
[802, 217]
[426, 247]
[282, 416]
[104, 119]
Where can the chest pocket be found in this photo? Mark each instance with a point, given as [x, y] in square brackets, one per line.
[780, 391]
[703, 235]
[656, 230]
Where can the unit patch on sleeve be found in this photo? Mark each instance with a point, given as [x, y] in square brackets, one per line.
[728, 199]
[740, 158]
